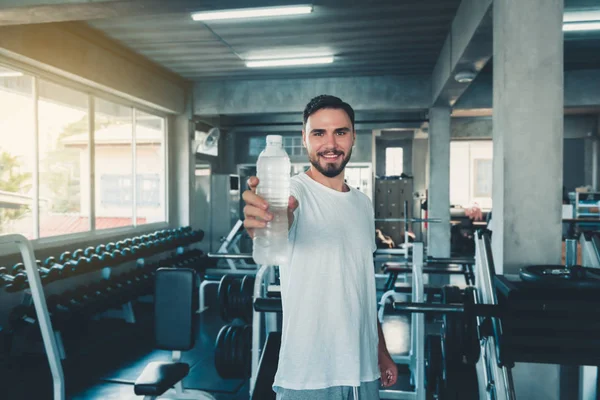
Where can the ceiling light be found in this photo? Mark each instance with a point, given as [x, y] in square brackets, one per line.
[465, 76]
[582, 26]
[251, 13]
[582, 16]
[10, 74]
[289, 62]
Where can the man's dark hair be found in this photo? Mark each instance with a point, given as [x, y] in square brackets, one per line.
[327, 101]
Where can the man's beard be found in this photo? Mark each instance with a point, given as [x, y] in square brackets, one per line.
[331, 170]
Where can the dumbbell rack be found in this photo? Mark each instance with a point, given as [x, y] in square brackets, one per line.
[41, 310]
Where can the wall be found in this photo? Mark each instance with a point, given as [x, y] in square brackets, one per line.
[360, 153]
[376, 93]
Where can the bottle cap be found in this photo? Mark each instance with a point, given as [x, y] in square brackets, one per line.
[274, 140]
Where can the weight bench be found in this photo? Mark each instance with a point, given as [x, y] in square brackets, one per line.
[174, 331]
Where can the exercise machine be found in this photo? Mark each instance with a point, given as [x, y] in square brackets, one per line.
[174, 331]
[215, 279]
[504, 319]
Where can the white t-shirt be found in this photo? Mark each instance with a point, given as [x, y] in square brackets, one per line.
[330, 335]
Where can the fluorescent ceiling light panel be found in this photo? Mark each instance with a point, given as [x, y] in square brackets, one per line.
[251, 13]
[582, 26]
[582, 16]
[289, 62]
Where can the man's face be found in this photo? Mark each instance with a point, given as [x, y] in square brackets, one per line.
[328, 138]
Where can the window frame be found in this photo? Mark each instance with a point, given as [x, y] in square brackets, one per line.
[92, 91]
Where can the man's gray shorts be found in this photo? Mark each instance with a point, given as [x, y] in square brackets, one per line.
[366, 391]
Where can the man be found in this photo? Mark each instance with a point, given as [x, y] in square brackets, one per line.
[332, 343]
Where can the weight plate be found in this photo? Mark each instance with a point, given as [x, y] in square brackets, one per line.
[433, 366]
[471, 345]
[220, 350]
[558, 275]
[229, 352]
[451, 338]
[222, 295]
[248, 297]
[233, 299]
[247, 350]
[238, 354]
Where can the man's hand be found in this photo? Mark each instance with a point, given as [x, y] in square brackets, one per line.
[388, 369]
[256, 214]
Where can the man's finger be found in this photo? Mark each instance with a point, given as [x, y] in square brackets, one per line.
[253, 223]
[254, 200]
[251, 211]
[252, 183]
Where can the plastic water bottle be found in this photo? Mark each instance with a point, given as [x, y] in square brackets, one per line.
[270, 244]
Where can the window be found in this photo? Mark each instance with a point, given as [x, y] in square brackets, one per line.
[45, 169]
[113, 138]
[63, 153]
[116, 190]
[17, 154]
[471, 173]
[291, 144]
[150, 168]
[394, 159]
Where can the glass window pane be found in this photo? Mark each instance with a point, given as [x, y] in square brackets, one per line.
[16, 153]
[63, 160]
[471, 173]
[114, 164]
[150, 168]
[394, 159]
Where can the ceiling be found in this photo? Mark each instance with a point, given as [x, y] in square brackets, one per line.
[376, 38]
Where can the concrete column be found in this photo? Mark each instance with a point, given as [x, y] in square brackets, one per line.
[528, 133]
[438, 199]
[528, 151]
[419, 172]
[181, 165]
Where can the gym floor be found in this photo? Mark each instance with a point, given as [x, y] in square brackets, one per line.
[105, 357]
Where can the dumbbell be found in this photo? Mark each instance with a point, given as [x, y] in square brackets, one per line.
[64, 310]
[46, 276]
[118, 257]
[13, 283]
[106, 260]
[89, 298]
[100, 249]
[65, 257]
[89, 251]
[77, 254]
[52, 270]
[95, 262]
[111, 246]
